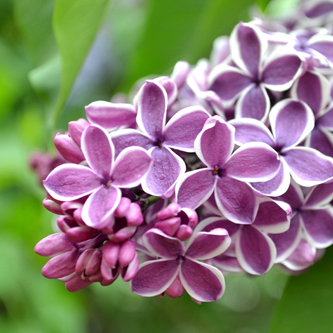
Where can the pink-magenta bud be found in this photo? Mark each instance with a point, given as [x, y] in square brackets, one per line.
[169, 226]
[126, 253]
[77, 215]
[170, 87]
[68, 149]
[184, 232]
[111, 253]
[64, 223]
[76, 128]
[81, 234]
[129, 271]
[54, 245]
[52, 206]
[88, 263]
[69, 207]
[134, 215]
[109, 274]
[76, 284]
[169, 211]
[176, 288]
[60, 266]
[192, 217]
[122, 234]
[123, 207]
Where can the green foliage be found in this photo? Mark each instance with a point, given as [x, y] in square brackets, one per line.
[306, 305]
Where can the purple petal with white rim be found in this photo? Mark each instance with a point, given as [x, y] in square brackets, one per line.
[273, 216]
[130, 166]
[291, 122]
[307, 166]
[322, 140]
[320, 195]
[154, 277]
[110, 115]
[203, 282]
[281, 69]
[294, 196]
[226, 264]
[152, 104]
[251, 130]
[183, 128]
[313, 89]
[326, 119]
[228, 82]
[162, 245]
[208, 145]
[253, 103]
[236, 200]
[278, 185]
[246, 47]
[98, 150]
[206, 245]
[169, 86]
[195, 187]
[165, 171]
[99, 207]
[287, 242]
[318, 226]
[252, 162]
[255, 251]
[323, 45]
[128, 138]
[71, 181]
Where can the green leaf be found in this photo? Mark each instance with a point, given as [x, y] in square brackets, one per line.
[75, 24]
[306, 305]
[34, 19]
[182, 30]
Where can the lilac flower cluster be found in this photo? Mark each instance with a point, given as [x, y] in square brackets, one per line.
[226, 166]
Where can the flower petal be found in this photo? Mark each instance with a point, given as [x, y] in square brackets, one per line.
[320, 195]
[206, 245]
[254, 161]
[322, 140]
[236, 200]
[307, 166]
[98, 150]
[128, 138]
[255, 251]
[165, 171]
[152, 105]
[291, 122]
[130, 167]
[281, 69]
[318, 226]
[203, 282]
[195, 187]
[253, 103]
[183, 128]
[110, 115]
[162, 245]
[313, 89]
[287, 242]
[228, 82]
[251, 130]
[154, 277]
[70, 182]
[208, 145]
[99, 207]
[273, 216]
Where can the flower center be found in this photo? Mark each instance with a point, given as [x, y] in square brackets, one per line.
[108, 183]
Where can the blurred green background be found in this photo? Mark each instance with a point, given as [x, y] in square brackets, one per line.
[56, 57]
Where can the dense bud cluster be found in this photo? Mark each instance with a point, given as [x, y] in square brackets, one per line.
[226, 166]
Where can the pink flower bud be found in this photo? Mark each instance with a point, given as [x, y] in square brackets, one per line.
[108, 274]
[169, 211]
[76, 128]
[180, 72]
[76, 284]
[129, 271]
[191, 215]
[134, 215]
[176, 288]
[123, 207]
[111, 253]
[69, 207]
[169, 226]
[81, 234]
[122, 234]
[68, 149]
[126, 253]
[54, 245]
[60, 266]
[184, 232]
[52, 206]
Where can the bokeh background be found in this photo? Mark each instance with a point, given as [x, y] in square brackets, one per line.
[56, 56]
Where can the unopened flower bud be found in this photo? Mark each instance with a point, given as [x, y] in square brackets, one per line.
[126, 253]
[68, 148]
[169, 226]
[76, 128]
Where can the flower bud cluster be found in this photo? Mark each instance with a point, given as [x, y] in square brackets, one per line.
[225, 166]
